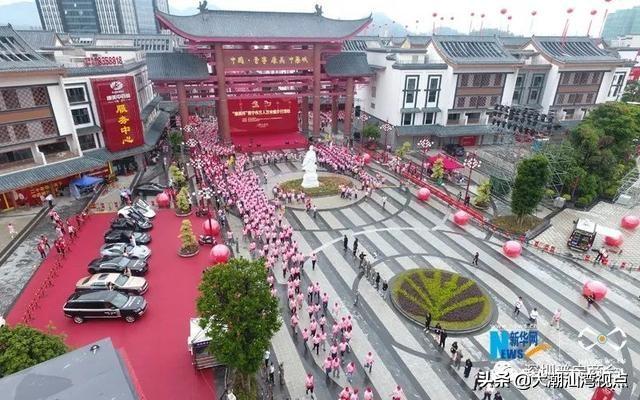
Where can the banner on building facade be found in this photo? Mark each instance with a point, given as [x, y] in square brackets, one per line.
[274, 115]
[117, 103]
[242, 60]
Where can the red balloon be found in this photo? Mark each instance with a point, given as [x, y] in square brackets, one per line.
[211, 230]
[473, 14]
[452, 18]
[512, 249]
[366, 157]
[461, 217]
[424, 194]
[630, 222]
[595, 288]
[569, 10]
[509, 17]
[434, 15]
[163, 200]
[219, 254]
[614, 240]
[481, 15]
[534, 13]
[503, 11]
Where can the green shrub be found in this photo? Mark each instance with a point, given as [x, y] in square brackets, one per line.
[584, 201]
[566, 196]
[549, 193]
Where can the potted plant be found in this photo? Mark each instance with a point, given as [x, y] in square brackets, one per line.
[438, 171]
[371, 133]
[189, 245]
[183, 207]
[177, 177]
[484, 195]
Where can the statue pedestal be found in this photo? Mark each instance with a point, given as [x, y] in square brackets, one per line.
[310, 180]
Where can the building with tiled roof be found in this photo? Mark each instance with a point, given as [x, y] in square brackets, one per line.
[447, 90]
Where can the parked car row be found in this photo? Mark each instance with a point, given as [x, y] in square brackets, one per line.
[116, 284]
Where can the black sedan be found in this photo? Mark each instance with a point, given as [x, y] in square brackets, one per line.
[122, 236]
[104, 304]
[131, 224]
[148, 189]
[137, 266]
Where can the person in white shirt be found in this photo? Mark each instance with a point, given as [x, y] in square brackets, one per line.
[533, 317]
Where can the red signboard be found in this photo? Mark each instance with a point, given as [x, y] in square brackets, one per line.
[118, 109]
[242, 60]
[266, 115]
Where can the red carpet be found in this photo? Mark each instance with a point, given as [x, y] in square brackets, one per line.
[268, 142]
[154, 346]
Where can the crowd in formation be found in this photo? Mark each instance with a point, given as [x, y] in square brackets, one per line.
[238, 188]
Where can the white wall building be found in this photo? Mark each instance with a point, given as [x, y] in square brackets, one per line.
[446, 87]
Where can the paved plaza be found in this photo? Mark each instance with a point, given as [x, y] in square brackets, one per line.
[408, 234]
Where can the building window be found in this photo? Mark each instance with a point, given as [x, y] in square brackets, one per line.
[572, 99]
[76, 95]
[433, 90]
[482, 101]
[87, 142]
[373, 106]
[373, 91]
[21, 132]
[497, 80]
[537, 81]
[464, 80]
[10, 97]
[494, 100]
[40, 97]
[617, 84]
[590, 97]
[5, 136]
[16, 156]
[49, 127]
[473, 118]
[569, 113]
[460, 102]
[410, 90]
[517, 92]
[407, 118]
[81, 116]
[429, 118]
[533, 95]
[566, 78]
[453, 118]
[51, 148]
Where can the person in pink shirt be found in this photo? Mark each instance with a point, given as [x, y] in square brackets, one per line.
[316, 343]
[342, 346]
[314, 260]
[305, 336]
[345, 394]
[351, 368]
[310, 310]
[368, 361]
[308, 384]
[327, 366]
[397, 393]
[335, 367]
[354, 395]
[294, 323]
[368, 394]
[335, 329]
[323, 321]
[323, 337]
[336, 310]
[316, 290]
[313, 326]
[325, 301]
[310, 293]
[299, 300]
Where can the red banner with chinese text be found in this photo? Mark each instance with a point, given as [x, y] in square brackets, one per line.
[242, 60]
[263, 116]
[117, 103]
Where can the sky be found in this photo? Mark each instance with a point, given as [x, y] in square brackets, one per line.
[417, 14]
[550, 19]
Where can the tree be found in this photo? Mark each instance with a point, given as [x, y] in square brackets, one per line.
[177, 176]
[22, 347]
[528, 190]
[189, 243]
[175, 138]
[631, 92]
[239, 314]
[371, 132]
[484, 195]
[182, 201]
[438, 170]
[403, 150]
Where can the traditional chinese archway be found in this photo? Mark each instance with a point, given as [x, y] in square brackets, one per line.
[265, 71]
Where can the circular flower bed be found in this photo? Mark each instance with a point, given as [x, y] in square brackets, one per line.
[456, 302]
[329, 186]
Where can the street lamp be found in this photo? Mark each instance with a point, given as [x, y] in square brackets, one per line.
[207, 194]
[424, 145]
[472, 162]
[386, 128]
[197, 165]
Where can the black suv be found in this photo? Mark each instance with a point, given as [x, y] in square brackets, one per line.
[104, 304]
[130, 224]
[454, 150]
[118, 265]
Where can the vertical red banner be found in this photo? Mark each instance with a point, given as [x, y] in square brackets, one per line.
[117, 102]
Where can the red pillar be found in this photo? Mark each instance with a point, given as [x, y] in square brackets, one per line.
[304, 114]
[316, 88]
[223, 107]
[348, 107]
[183, 106]
[334, 112]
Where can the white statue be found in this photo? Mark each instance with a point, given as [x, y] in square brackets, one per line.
[310, 178]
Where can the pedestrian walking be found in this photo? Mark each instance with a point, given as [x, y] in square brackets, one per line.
[475, 259]
[385, 286]
[308, 384]
[335, 367]
[49, 200]
[427, 322]
[316, 343]
[517, 306]
[533, 318]
[397, 393]
[368, 361]
[384, 201]
[267, 355]
[368, 394]
[45, 240]
[272, 373]
[488, 392]
[314, 260]
[345, 243]
[459, 196]
[355, 246]
[497, 396]
[72, 231]
[555, 320]
[12, 231]
[590, 300]
[443, 338]
[315, 211]
[327, 366]
[457, 359]
[351, 368]
[377, 280]
[41, 250]
[467, 367]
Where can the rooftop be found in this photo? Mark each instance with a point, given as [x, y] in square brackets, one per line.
[572, 50]
[176, 66]
[94, 371]
[17, 55]
[40, 39]
[224, 25]
[348, 64]
[473, 50]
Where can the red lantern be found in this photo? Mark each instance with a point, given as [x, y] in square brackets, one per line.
[509, 17]
[473, 14]
[441, 18]
[569, 10]
[534, 13]
[630, 222]
[461, 217]
[163, 200]
[424, 194]
[211, 227]
[595, 288]
[366, 158]
[434, 15]
[481, 15]
[452, 18]
[219, 254]
[512, 249]
[594, 12]
[615, 239]
[503, 11]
